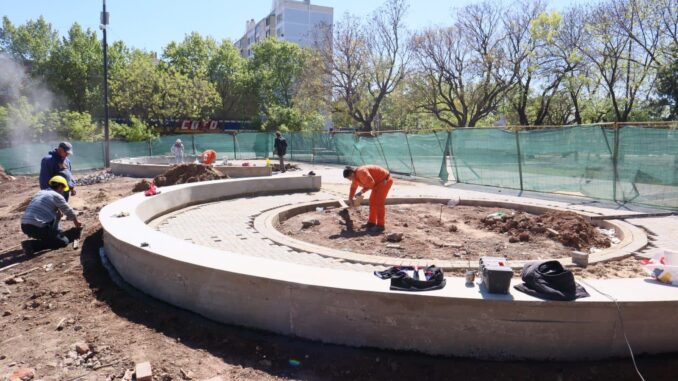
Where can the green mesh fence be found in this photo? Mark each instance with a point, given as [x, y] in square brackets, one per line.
[626, 164]
[163, 144]
[251, 145]
[223, 144]
[485, 157]
[647, 166]
[568, 160]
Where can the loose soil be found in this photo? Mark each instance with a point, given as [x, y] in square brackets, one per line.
[66, 297]
[463, 233]
[188, 173]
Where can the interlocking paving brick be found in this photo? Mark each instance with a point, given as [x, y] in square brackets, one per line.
[227, 225]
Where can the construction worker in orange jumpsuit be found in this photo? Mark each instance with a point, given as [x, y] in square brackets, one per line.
[208, 157]
[379, 181]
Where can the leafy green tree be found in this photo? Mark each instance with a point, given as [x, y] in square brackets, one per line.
[276, 68]
[4, 128]
[134, 87]
[31, 43]
[22, 122]
[70, 125]
[227, 70]
[192, 56]
[136, 131]
[278, 71]
[180, 96]
[76, 71]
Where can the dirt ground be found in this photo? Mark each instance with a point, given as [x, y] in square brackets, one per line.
[438, 232]
[63, 298]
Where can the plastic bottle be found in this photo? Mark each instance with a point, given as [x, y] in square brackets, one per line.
[268, 162]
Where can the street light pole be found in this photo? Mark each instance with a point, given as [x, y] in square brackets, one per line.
[103, 26]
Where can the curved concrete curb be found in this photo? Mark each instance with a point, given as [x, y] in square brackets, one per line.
[151, 166]
[268, 223]
[356, 308]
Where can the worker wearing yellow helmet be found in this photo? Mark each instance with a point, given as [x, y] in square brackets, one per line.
[41, 219]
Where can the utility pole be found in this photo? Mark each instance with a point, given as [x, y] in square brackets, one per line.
[103, 26]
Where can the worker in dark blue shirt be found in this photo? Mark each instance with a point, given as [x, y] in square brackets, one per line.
[56, 163]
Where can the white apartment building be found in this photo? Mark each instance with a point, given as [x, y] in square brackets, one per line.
[297, 21]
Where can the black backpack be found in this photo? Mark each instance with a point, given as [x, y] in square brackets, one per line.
[402, 281]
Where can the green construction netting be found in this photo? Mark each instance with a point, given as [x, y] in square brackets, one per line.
[119, 150]
[251, 145]
[647, 166]
[396, 153]
[223, 144]
[427, 152]
[628, 164]
[568, 160]
[485, 156]
[163, 144]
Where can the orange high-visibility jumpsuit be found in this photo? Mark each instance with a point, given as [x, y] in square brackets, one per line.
[379, 181]
[209, 157]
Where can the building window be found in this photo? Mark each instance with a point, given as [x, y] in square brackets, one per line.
[279, 17]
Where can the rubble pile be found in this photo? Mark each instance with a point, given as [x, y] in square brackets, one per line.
[95, 178]
[568, 228]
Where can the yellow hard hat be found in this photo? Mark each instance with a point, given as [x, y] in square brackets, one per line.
[60, 180]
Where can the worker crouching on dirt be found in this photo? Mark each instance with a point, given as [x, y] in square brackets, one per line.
[41, 219]
[379, 181]
[208, 157]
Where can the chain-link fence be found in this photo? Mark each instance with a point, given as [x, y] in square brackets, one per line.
[623, 163]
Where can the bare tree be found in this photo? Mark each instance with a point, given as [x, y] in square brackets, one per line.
[651, 24]
[367, 61]
[622, 64]
[464, 69]
[529, 32]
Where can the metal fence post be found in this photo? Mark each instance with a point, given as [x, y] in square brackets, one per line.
[235, 142]
[407, 140]
[451, 151]
[520, 161]
[383, 154]
[193, 142]
[150, 148]
[615, 162]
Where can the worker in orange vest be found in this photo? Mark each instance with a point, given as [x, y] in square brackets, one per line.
[379, 181]
[209, 157]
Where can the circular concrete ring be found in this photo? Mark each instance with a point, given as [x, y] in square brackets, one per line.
[358, 309]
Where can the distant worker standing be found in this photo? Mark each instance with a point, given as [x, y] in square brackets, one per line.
[280, 149]
[41, 218]
[379, 181]
[178, 152]
[56, 163]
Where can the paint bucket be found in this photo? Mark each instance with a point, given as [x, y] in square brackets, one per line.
[470, 276]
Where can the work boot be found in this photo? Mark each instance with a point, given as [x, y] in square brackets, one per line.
[27, 247]
[376, 229]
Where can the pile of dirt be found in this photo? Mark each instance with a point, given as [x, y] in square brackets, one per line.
[141, 186]
[188, 173]
[4, 176]
[568, 228]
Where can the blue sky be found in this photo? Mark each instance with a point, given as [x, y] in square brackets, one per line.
[152, 24]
